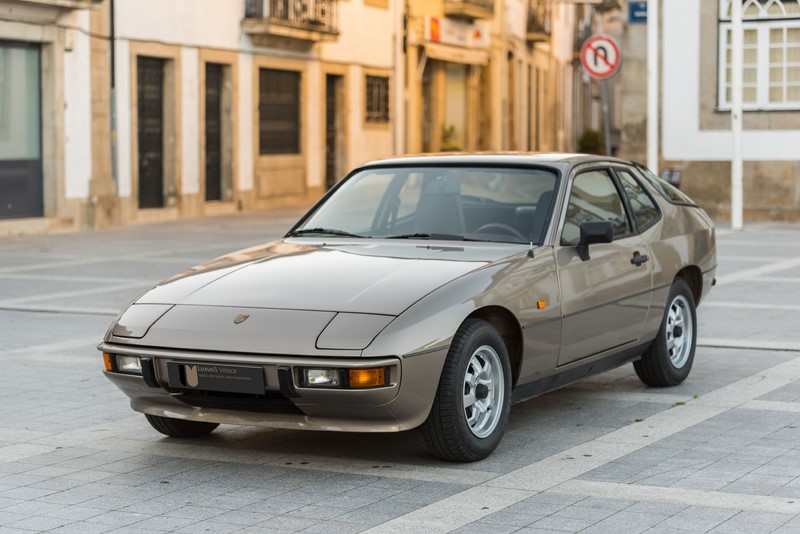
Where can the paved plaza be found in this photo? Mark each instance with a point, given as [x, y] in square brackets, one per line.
[719, 453]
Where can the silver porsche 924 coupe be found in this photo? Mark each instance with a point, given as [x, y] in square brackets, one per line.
[430, 291]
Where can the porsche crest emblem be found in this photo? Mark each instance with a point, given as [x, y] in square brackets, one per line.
[242, 317]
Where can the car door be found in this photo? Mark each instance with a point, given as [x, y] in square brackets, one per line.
[605, 299]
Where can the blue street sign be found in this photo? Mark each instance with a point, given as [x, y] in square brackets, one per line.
[637, 12]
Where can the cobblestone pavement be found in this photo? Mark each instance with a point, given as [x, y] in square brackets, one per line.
[720, 453]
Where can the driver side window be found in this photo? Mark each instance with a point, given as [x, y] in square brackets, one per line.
[594, 198]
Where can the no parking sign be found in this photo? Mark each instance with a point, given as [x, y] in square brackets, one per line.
[600, 56]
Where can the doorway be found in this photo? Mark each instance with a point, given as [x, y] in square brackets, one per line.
[214, 89]
[21, 187]
[150, 114]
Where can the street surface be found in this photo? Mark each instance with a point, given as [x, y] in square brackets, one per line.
[720, 453]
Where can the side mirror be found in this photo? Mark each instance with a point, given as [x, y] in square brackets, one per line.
[594, 232]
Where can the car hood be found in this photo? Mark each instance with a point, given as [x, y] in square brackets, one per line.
[378, 277]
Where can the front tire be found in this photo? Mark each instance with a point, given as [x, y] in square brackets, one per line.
[472, 403]
[180, 428]
[668, 361]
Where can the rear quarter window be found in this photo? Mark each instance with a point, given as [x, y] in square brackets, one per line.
[644, 208]
[667, 190]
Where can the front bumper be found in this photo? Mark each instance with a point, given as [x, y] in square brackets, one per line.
[396, 406]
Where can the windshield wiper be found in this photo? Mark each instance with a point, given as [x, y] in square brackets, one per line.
[328, 231]
[446, 237]
[409, 236]
[434, 237]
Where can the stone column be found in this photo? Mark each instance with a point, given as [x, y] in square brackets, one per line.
[103, 202]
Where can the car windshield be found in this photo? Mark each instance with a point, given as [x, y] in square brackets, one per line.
[497, 204]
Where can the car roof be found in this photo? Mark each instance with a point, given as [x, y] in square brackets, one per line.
[494, 158]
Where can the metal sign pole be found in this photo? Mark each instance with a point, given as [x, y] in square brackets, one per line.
[652, 84]
[606, 117]
[737, 61]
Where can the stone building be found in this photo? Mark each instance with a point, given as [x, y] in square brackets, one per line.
[696, 102]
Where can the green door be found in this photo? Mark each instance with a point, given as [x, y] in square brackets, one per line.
[21, 192]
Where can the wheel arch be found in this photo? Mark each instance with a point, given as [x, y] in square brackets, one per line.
[693, 276]
[509, 329]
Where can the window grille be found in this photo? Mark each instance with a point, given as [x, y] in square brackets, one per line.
[377, 99]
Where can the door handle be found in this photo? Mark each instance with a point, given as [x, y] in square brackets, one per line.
[638, 258]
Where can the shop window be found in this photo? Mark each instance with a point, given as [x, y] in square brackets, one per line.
[771, 71]
[279, 112]
[377, 111]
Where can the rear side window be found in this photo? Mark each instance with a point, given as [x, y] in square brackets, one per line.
[667, 190]
[644, 209]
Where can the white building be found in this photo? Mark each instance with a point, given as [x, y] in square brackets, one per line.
[210, 107]
[36, 69]
[696, 92]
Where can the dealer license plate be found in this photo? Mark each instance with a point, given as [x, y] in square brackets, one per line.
[215, 377]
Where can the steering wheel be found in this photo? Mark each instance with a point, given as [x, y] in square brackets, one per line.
[503, 228]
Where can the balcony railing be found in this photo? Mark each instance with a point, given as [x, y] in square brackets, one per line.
[539, 20]
[469, 9]
[315, 16]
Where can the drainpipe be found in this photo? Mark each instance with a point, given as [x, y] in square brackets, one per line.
[113, 75]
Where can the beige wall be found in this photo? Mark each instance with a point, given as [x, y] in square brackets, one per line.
[504, 93]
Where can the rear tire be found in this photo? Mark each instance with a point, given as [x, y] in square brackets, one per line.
[471, 406]
[668, 361]
[180, 428]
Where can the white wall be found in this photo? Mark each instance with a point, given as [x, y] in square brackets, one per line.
[366, 144]
[190, 121]
[682, 137]
[563, 31]
[77, 109]
[246, 145]
[123, 98]
[365, 35]
[516, 18]
[210, 23]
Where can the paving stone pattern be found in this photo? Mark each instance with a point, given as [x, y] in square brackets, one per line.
[719, 453]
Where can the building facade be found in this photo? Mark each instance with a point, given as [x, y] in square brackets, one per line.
[36, 66]
[489, 75]
[127, 111]
[696, 93]
[133, 111]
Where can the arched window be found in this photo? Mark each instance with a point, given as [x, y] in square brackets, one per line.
[771, 54]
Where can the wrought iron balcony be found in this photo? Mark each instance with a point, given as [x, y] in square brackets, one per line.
[304, 20]
[469, 9]
[539, 20]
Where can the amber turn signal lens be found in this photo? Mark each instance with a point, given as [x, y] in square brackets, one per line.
[541, 304]
[107, 361]
[367, 378]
